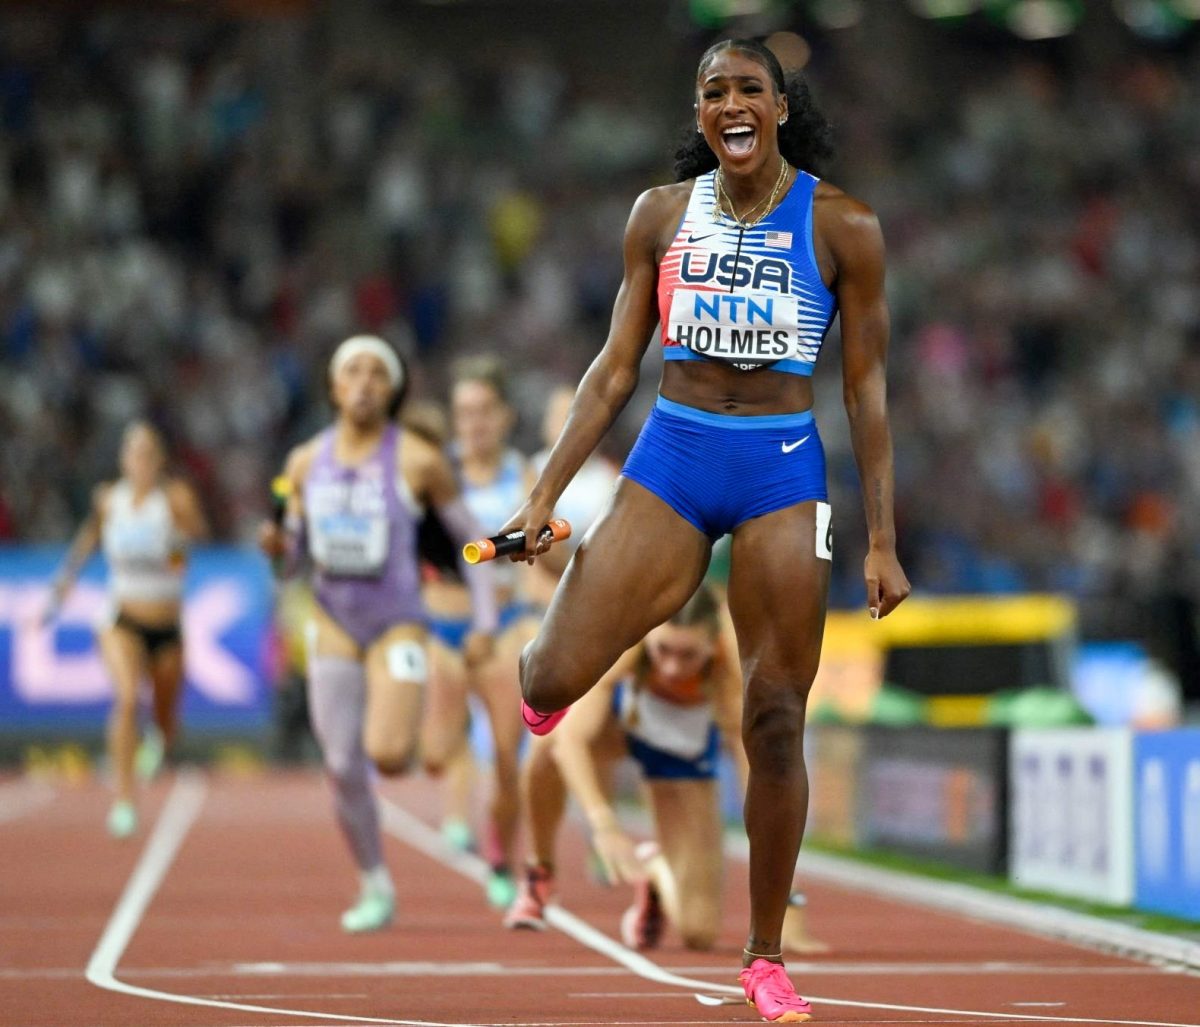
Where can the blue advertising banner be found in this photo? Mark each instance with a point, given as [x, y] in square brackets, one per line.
[52, 679]
[1167, 818]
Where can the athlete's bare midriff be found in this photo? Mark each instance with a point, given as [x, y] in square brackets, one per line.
[152, 613]
[712, 386]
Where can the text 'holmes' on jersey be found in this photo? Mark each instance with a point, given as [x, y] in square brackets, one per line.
[753, 297]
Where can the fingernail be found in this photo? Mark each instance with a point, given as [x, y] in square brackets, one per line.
[874, 613]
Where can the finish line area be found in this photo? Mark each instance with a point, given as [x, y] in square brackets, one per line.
[223, 911]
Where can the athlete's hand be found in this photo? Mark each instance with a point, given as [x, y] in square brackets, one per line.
[530, 518]
[272, 539]
[616, 851]
[887, 585]
[478, 648]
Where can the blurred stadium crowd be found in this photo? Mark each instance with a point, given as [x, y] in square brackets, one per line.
[194, 209]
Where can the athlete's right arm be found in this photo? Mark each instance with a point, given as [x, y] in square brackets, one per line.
[613, 374]
[87, 538]
[283, 540]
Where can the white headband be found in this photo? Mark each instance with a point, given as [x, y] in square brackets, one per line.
[374, 345]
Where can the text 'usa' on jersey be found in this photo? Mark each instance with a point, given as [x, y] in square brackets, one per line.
[752, 297]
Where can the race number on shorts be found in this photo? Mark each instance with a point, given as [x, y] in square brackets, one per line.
[824, 531]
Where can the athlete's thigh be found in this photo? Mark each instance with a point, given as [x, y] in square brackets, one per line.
[397, 670]
[124, 655]
[445, 721]
[688, 817]
[778, 583]
[166, 670]
[326, 637]
[497, 683]
[636, 567]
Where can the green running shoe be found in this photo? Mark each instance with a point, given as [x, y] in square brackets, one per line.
[372, 912]
[150, 752]
[501, 889]
[457, 834]
[122, 819]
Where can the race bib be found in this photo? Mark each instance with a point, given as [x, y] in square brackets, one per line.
[752, 328]
[349, 544]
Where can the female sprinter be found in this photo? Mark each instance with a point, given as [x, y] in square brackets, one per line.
[667, 703]
[494, 479]
[143, 521]
[356, 492]
[745, 261]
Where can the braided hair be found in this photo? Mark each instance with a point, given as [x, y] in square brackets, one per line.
[805, 139]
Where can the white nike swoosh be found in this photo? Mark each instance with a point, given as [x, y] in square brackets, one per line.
[788, 448]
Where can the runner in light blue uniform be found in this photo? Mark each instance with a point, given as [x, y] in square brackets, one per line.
[494, 479]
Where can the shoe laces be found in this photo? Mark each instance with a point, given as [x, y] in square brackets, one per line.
[764, 975]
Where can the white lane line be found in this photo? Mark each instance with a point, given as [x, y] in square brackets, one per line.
[179, 814]
[419, 835]
[963, 900]
[388, 969]
[421, 969]
[19, 798]
[294, 995]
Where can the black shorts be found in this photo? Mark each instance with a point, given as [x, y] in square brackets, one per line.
[155, 639]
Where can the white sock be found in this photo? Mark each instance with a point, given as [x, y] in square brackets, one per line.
[378, 881]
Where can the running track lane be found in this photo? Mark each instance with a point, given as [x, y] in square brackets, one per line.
[240, 909]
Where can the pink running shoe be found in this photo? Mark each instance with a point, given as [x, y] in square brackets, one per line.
[528, 911]
[642, 923]
[541, 723]
[770, 992]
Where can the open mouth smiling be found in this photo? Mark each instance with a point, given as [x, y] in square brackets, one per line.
[738, 139]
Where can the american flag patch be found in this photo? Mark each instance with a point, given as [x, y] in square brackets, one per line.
[779, 240]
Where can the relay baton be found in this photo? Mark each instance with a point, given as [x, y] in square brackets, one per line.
[513, 542]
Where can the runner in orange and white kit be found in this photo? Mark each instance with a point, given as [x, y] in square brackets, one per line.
[144, 522]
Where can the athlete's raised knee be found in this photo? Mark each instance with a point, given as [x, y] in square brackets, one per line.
[543, 686]
[391, 759]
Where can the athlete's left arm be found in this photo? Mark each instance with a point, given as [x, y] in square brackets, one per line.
[186, 511]
[430, 477]
[852, 234]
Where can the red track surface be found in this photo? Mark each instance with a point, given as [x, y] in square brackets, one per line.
[246, 912]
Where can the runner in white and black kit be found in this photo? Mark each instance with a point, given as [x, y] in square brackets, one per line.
[144, 522]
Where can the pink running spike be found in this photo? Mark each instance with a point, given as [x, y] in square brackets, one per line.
[528, 912]
[541, 723]
[768, 989]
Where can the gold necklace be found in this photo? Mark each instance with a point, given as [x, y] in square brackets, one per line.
[747, 220]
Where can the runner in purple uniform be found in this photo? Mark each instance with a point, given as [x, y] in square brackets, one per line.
[357, 493]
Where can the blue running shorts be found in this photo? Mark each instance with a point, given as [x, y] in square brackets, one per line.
[717, 471]
[452, 632]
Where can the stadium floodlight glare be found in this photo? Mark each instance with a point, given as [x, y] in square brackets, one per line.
[1157, 19]
[944, 8]
[1044, 19]
[837, 14]
[715, 12]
